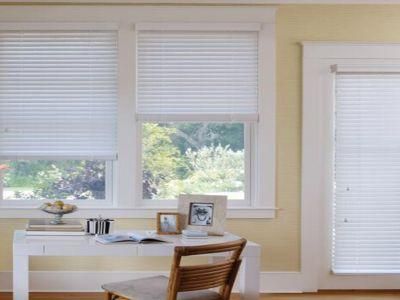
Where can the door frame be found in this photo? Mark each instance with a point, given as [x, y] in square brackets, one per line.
[317, 158]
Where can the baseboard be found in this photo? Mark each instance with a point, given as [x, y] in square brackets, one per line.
[281, 282]
[91, 281]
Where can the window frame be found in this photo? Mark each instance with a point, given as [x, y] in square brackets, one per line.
[259, 158]
[110, 177]
[126, 200]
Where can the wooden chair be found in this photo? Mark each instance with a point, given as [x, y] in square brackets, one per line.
[186, 282]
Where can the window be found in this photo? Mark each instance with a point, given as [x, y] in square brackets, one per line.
[367, 173]
[197, 101]
[58, 112]
[77, 100]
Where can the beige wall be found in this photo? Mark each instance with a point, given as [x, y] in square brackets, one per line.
[280, 237]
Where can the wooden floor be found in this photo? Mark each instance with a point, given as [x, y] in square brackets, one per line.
[349, 295]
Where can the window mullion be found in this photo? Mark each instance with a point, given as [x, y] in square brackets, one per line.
[109, 180]
[248, 163]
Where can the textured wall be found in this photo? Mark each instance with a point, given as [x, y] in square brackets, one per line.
[280, 237]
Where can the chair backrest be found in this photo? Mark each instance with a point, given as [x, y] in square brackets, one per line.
[200, 277]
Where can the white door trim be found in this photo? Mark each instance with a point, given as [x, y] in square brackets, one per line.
[317, 136]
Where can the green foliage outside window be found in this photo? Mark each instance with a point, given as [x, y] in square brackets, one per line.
[177, 158]
[196, 158]
[54, 179]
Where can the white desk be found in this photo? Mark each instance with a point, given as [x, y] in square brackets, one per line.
[26, 246]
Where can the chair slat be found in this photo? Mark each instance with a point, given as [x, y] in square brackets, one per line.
[202, 286]
[205, 277]
[209, 275]
[200, 277]
[208, 267]
[220, 274]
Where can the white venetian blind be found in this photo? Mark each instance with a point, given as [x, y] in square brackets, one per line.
[366, 233]
[58, 94]
[196, 75]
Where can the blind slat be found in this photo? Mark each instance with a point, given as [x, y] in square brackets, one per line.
[366, 223]
[191, 74]
[58, 94]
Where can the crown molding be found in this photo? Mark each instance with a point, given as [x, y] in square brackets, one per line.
[197, 2]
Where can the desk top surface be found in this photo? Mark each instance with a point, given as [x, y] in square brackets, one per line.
[87, 246]
[176, 240]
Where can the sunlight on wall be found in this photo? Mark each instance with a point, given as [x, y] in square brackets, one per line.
[280, 237]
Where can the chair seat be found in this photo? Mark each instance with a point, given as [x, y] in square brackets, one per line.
[154, 288]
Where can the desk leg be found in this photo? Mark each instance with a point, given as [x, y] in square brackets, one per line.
[249, 278]
[21, 277]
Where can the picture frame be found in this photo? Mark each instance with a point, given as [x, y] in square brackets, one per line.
[168, 223]
[203, 212]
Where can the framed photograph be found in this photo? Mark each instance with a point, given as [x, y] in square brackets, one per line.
[168, 223]
[203, 212]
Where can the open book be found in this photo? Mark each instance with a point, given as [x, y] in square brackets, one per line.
[127, 237]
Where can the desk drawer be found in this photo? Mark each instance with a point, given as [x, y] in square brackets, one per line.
[156, 250]
[33, 249]
[91, 250]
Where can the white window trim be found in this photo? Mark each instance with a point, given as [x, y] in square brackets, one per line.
[59, 26]
[199, 26]
[318, 104]
[126, 202]
[260, 140]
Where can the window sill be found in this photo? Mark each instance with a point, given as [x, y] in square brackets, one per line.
[132, 213]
